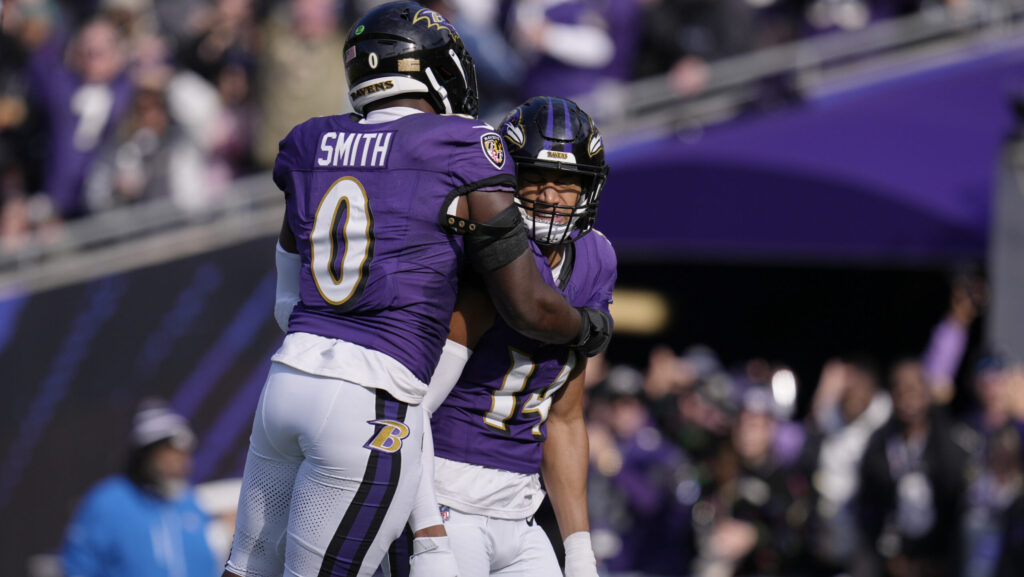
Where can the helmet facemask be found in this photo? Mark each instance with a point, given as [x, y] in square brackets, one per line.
[553, 224]
[453, 87]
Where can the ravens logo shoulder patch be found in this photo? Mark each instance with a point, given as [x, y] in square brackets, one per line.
[494, 149]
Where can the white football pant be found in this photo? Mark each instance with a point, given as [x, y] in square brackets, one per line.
[329, 481]
[484, 546]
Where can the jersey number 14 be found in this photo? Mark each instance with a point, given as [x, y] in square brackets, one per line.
[507, 399]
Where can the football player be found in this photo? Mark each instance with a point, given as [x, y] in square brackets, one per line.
[514, 413]
[380, 208]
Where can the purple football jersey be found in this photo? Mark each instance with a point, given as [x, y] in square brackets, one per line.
[495, 414]
[622, 21]
[366, 204]
[80, 119]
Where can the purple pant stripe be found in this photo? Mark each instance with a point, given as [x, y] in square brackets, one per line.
[365, 514]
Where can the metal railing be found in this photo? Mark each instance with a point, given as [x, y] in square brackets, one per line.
[640, 110]
[651, 106]
[142, 234]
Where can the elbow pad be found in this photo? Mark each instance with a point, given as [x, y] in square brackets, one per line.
[497, 242]
[288, 267]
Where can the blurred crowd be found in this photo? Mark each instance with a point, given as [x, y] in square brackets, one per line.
[700, 469]
[111, 102]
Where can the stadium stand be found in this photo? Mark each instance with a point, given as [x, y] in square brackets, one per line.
[792, 160]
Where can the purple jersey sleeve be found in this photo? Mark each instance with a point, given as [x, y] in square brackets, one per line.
[620, 19]
[364, 201]
[573, 13]
[494, 416]
[945, 351]
[80, 119]
[596, 261]
[480, 161]
[288, 155]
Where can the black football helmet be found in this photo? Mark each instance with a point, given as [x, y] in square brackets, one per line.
[555, 133]
[403, 48]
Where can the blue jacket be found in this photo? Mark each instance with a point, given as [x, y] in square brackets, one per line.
[123, 531]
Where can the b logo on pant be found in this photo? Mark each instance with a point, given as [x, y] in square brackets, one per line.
[388, 437]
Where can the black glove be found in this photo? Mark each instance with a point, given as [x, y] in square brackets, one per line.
[595, 332]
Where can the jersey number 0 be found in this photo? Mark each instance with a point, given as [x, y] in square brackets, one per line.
[341, 283]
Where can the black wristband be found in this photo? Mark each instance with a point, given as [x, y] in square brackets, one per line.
[595, 331]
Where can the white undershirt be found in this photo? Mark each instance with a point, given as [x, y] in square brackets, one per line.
[389, 114]
[479, 490]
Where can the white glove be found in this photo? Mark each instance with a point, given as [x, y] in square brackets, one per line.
[579, 556]
[432, 557]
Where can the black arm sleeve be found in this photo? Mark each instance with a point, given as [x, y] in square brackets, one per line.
[495, 243]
